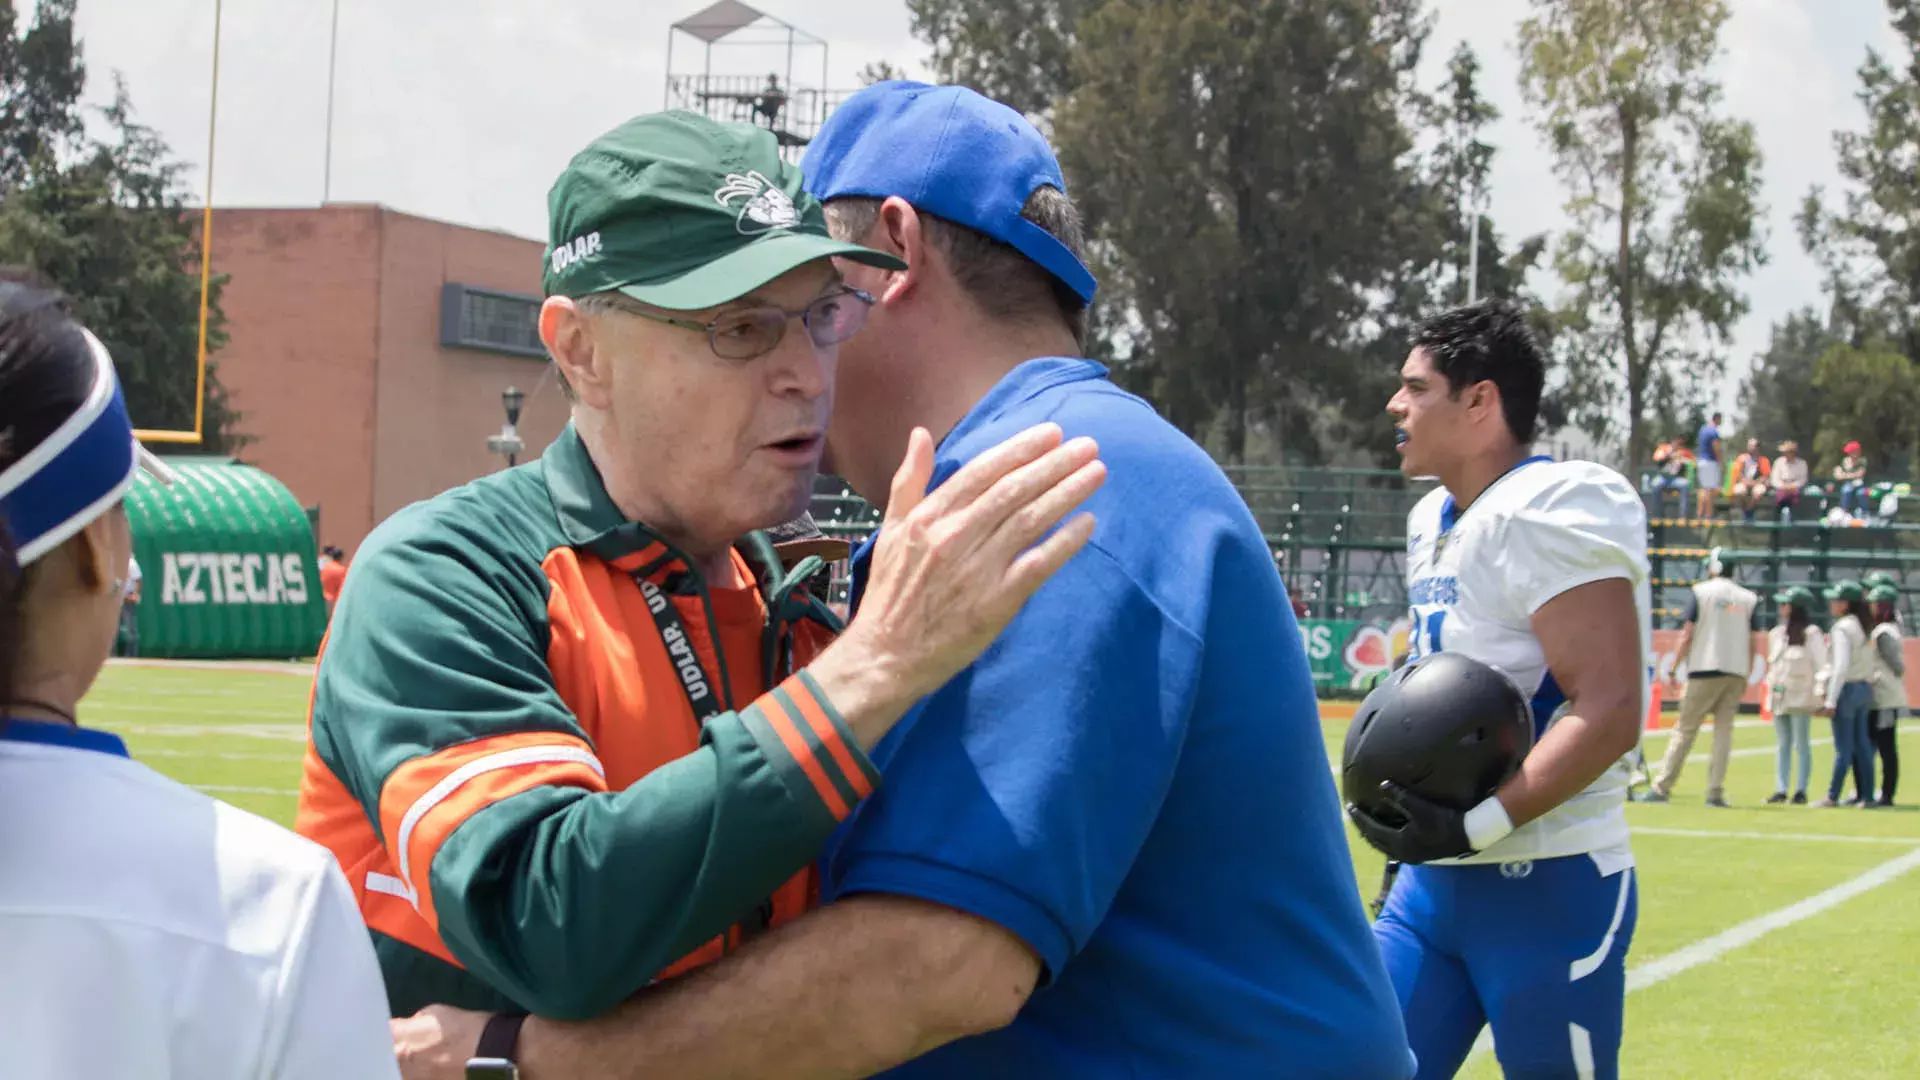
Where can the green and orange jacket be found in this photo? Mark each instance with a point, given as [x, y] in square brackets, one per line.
[503, 759]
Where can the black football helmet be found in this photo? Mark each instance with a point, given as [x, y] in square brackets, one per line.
[1445, 726]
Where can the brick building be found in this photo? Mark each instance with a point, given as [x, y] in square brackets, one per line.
[368, 350]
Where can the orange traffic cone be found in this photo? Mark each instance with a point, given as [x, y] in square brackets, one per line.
[1766, 702]
[1654, 722]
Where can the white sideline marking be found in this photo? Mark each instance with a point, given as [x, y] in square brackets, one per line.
[1824, 838]
[225, 755]
[1710, 949]
[1705, 725]
[1756, 751]
[291, 732]
[1707, 950]
[229, 789]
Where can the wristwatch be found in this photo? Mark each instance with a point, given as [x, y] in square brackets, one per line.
[493, 1059]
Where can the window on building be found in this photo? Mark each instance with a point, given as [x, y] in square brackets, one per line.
[491, 321]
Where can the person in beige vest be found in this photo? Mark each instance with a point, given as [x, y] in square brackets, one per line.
[1889, 687]
[1716, 645]
[1796, 653]
[1849, 693]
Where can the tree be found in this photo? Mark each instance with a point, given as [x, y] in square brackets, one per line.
[1630, 110]
[41, 78]
[1439, 256]
[1779, 398]
[1871, 247]
[106, 221]
[1872, 395]
[1249, 176]
[1019, 52]
[880, 71]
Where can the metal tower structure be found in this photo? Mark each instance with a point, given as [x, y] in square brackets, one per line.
[760, 83]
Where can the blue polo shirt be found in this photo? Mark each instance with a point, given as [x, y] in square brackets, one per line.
[1709, 434]
[1132, 780]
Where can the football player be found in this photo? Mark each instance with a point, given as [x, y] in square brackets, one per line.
[1517, 912]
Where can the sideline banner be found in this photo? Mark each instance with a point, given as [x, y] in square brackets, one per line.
[1345, 653]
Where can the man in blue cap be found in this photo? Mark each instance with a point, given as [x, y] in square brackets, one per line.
[1109, 848]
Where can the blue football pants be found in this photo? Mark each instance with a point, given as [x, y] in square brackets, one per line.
[1536, 949]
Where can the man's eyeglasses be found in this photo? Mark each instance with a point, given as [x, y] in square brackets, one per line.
[749, 332]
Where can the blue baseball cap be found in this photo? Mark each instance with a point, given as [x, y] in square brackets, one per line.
[950, 152]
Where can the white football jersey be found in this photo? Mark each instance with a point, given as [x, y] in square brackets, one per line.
[149, 931]
[1474, 580]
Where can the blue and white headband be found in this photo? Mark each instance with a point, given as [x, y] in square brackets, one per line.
[79, 472]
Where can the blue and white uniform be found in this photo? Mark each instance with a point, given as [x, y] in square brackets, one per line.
[1530, 935]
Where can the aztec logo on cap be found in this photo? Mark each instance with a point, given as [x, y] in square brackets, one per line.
[575, 250]
[765, 205]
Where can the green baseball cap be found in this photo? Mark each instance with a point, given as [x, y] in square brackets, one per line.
[1847, 590]
[1884, 594]
[1798, 595]
[1878, 578]
[684, 213]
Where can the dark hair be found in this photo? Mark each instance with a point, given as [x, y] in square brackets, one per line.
[1797, 623]
[1005, 283]
[46, 371]
[1489, 342]
[1874, 606]
[1859, 610]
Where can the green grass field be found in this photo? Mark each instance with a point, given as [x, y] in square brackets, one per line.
[1749, 990]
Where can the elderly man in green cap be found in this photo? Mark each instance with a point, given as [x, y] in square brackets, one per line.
[578, 727]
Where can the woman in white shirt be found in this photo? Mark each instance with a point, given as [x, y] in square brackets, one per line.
[146, 930]
[1849, 696]
[1796, 653]
[1889, 687]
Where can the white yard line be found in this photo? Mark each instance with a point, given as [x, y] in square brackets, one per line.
[1709, 949]
[262, 667]
[1824, 838]
[229, 789]
[290, 732]
[203, 710]
[1713, 948]
[1707, 726]
[224, 755]
[1756, 751]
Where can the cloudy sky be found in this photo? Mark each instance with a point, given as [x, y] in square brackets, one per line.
[465, 110]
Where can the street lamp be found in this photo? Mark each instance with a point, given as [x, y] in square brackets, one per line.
[508, 442]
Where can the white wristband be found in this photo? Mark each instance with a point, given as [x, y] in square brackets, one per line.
[1488, 824]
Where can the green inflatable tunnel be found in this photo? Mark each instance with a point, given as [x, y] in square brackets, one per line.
[228, 566]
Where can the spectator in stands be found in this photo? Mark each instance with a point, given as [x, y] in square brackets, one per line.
[1747, 480]
[1850, 477]
[1849, 693]
[1707, 460]
[1889, 689]
[1796, 652]
[1675, 467]
[1790, 474]
[1716, 645]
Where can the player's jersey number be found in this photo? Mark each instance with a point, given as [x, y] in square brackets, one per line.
[1424, 637]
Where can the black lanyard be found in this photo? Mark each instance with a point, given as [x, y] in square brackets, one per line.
[673, 634]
